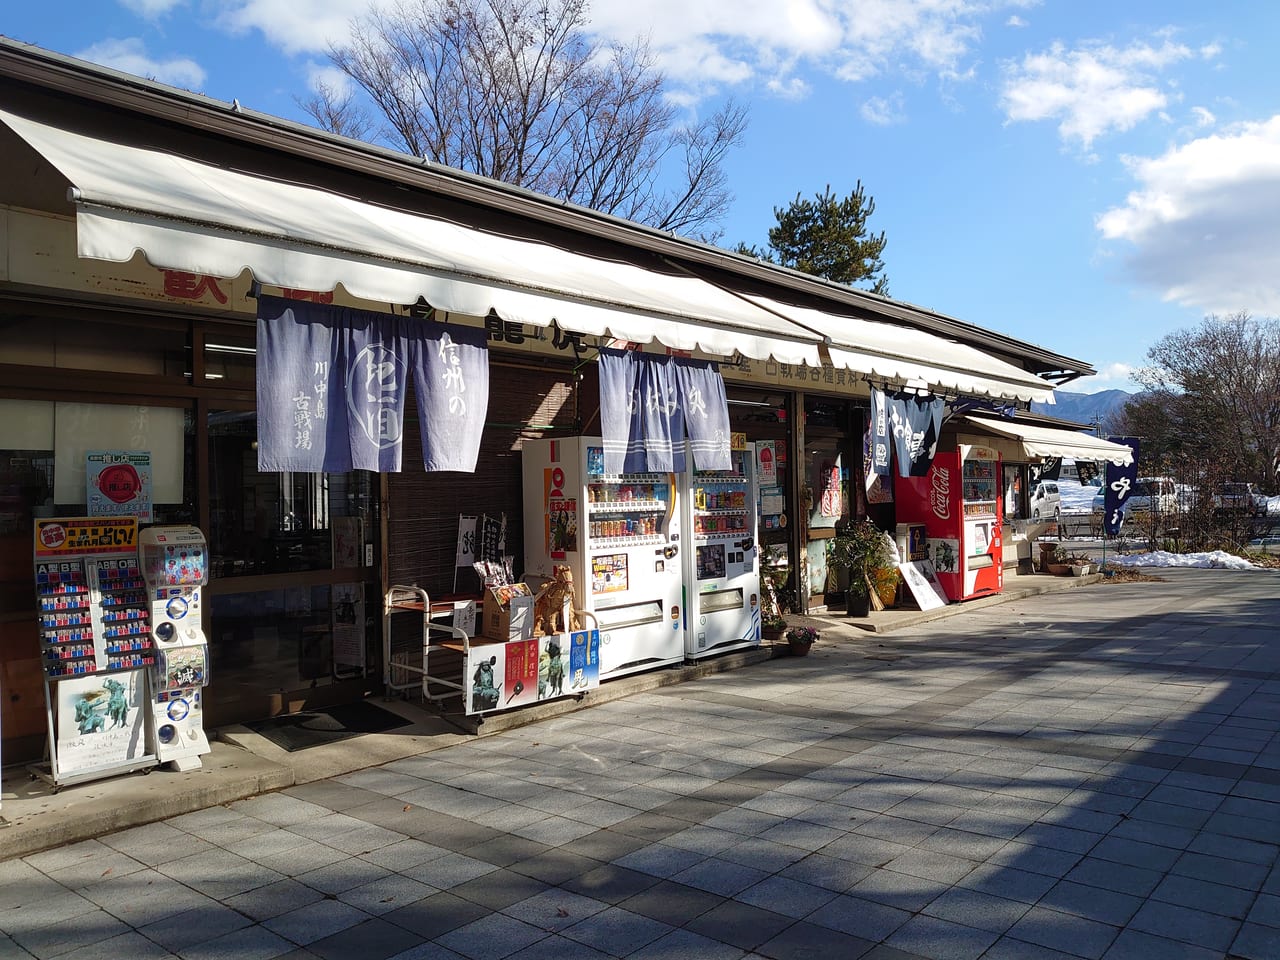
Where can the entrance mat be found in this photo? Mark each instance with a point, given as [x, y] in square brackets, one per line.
[314, 728]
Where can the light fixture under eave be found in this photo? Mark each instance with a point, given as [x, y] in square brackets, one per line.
[749, 403]
[230, 348]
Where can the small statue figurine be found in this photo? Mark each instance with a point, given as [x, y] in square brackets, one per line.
[549, 607]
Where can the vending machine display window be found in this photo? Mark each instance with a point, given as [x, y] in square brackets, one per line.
[711, 561]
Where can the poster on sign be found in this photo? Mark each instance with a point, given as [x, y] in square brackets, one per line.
[118, 483]
[100, 721]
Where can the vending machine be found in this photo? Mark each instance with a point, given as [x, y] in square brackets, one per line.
[95, 646]
[722, 572]
[175, 567]
[959, 504]
[619, 535]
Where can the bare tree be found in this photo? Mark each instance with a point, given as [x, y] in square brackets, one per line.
[517, 90]
[1210, 415]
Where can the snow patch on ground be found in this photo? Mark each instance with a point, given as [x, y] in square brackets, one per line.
[1162, 558]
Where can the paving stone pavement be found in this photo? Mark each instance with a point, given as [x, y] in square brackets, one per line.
[1092, 774]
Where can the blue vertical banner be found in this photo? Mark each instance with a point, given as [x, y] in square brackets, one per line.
[332, 383]
[649, 405]
[880, 439]
[1117, 487]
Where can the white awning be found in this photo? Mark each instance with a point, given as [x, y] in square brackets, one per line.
[192, 216]
[905, 354]
[1052, 442]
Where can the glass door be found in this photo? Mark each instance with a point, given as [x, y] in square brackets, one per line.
[294, 604]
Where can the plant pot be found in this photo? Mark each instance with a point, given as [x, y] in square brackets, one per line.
[799, 649]
[857, 605]
[1081, 569]
[772, 634]
[1058, 569]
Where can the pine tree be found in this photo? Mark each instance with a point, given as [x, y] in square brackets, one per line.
[827, 237]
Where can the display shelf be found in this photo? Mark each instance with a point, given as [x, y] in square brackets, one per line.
[67, 636]
[627, 506]
[400, 601]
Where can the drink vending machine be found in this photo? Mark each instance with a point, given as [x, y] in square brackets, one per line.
[620, 537]
[722, 571]
[175, 566]
[958, 501]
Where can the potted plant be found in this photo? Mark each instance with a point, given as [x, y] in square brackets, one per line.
[801, 640]
[859, 548]
[773, 626]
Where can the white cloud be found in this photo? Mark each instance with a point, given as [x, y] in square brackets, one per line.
[151, 9]
[1015, 21]
[1110, 376]
[295, 26]
[1092, 90]
[705, 44]
[1203, 117]
[130, 55]
[1203, 224]
[884, 111]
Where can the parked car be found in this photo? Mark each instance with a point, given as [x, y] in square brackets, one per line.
[1046, 501]
[1152, 497]
[1240, 498]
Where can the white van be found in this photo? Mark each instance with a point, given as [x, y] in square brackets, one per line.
[1046, 501]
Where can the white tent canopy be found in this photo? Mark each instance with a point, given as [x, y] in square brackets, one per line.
[183, 214]
[1040, 441]
[192, 216]
[904, 354]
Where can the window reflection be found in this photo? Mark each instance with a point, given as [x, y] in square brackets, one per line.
[263, 523]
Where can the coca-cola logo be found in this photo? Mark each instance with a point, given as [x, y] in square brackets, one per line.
[940, 492]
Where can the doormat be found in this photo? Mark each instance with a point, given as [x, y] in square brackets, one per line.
[314, 728]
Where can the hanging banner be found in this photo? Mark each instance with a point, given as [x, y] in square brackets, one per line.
[332, 384]
[1087, 471]
[880, 441]
[649, 406]
[915, 423]
[1118, 487]
[879, 486]
[1050, 469]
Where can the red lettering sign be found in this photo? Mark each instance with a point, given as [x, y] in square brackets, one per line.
[191, 286]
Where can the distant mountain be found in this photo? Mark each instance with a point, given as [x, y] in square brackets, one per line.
[1084, 407]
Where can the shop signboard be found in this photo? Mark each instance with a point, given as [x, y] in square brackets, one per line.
[522, 672]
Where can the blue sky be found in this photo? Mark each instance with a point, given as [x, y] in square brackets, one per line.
[1087, 175]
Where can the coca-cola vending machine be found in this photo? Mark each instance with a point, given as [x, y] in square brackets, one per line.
[958, 501]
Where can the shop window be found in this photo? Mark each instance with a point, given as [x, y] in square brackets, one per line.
[1015, 500]
[267, 642]
[230, 360]
[267, 523]
[73, 343]
[43, 450]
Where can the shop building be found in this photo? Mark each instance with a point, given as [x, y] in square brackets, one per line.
[138, 226]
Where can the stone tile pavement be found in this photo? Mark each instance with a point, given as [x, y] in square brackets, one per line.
[1091, 774]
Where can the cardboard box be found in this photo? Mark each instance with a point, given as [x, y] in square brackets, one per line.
[508, 612]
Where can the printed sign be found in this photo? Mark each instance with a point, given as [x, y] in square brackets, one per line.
[766, 463]
[118, 483]
[609, 573]
[64, 536]
[520, 679]
[100, 721]
[923, 583]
